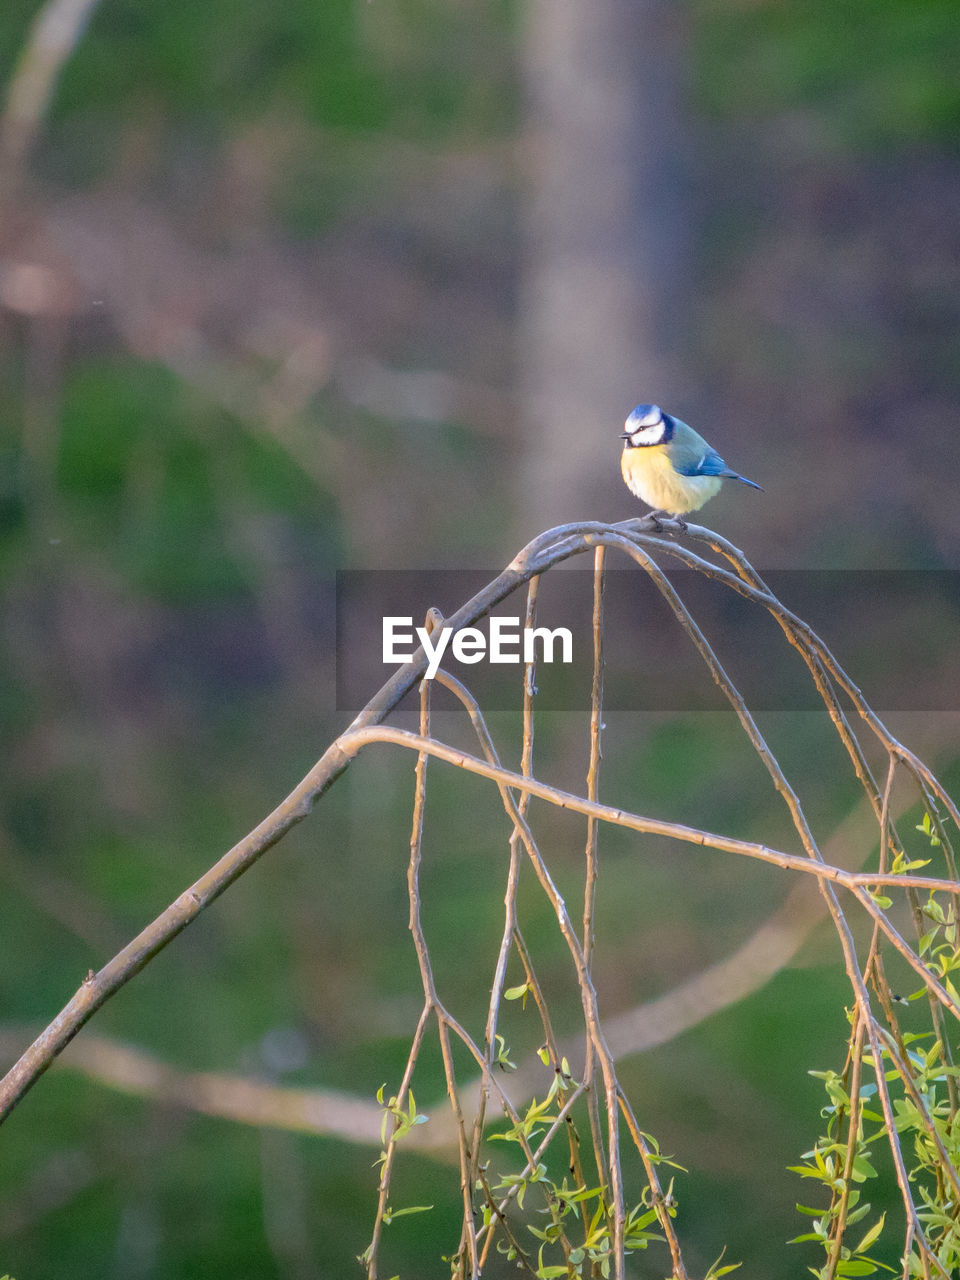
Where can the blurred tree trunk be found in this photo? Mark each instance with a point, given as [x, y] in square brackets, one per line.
[605, 294]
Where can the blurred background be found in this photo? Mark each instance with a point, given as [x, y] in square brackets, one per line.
[373, 284]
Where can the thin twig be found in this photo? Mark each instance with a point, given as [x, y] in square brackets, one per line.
[853, 1133]
[659, 1200]
[593, 833]
[391, 1148]
[513, 871]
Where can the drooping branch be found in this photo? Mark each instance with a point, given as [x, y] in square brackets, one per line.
[515, 789]
[539, 555]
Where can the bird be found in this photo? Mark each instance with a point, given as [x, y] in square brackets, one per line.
[669, 465]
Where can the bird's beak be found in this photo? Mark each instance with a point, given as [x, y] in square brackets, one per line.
[625, 435]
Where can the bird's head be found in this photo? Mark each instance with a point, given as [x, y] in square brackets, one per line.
[646, 425]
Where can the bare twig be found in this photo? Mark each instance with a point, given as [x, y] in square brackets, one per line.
[54, 35]
[593, 833]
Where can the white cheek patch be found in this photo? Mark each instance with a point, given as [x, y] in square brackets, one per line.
[647, 435]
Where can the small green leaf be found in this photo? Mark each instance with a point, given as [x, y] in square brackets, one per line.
[862, 1169]
[717, 1270]
[856, 1214]
[390, 1214]
[516, 993]
[586, 1194]
[933, 910]
[871, 1236]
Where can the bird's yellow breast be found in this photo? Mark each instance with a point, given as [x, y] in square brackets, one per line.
[650, 474]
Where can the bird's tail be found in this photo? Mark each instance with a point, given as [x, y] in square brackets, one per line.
[734, 475]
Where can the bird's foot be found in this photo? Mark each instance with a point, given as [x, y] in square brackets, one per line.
[658, 517]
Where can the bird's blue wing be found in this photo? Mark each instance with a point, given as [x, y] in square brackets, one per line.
[690, 455]
[708, 464]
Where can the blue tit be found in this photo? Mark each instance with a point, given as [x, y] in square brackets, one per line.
[668, 465]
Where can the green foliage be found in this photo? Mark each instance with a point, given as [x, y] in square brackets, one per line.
[925, 1115]
[404, 1118]
[226, 59]
[219, 65]
[142, 472]
[869, 75]
[930, 1151]
[577, 1241]
[17, 15]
